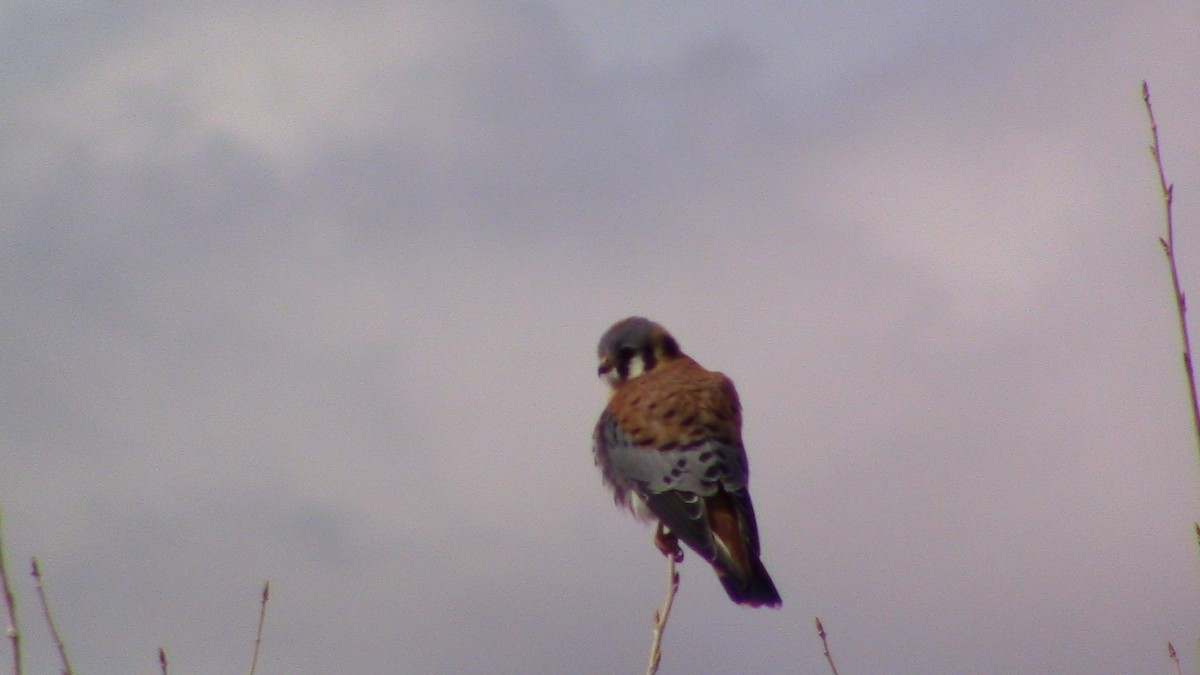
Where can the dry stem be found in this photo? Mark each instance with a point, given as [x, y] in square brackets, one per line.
[660, 617]
[825, 646]
[262, 615]
[1168, 246]
[162, 660]
[10, 602]
[58, 642]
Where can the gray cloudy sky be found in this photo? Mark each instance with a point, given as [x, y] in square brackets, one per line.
[310, 292]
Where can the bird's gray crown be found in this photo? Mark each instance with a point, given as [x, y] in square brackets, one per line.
[632, 333]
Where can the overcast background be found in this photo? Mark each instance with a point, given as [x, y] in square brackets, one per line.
[310, 292]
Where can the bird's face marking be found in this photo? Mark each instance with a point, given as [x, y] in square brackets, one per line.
[635, 363]
[632, 348]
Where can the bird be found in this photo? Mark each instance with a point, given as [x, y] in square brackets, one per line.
[669, 445]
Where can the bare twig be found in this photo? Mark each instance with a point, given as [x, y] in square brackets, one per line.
[262, 615]
[1168, 246]
[1174, 657]
[162, 660]
[825, 646]
[661, 616]
[58, 642]
[10, 602]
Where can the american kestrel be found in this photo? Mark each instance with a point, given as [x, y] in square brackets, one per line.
[669, 444]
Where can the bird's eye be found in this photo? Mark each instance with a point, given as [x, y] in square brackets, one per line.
[626, 353]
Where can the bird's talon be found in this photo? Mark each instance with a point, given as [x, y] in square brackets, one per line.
[668, 544]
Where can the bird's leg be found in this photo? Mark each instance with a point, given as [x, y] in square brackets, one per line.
[666, 542]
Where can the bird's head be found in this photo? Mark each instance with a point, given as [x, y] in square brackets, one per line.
[632, 347]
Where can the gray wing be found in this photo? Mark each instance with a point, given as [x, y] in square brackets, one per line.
[674, 483]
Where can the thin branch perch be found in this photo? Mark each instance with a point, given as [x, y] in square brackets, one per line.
[58, 641]
[10, 602]
[661, 616]
[825, 646]
[1168, 246]
[262, 615]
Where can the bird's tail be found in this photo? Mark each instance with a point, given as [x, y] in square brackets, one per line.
[735, 550]
[750, 586]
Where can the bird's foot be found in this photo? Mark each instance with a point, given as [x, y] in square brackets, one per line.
[667, 543]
